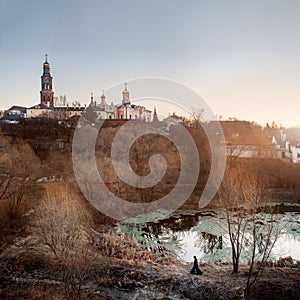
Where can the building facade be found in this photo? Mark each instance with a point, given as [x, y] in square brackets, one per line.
[40, 111]
[15, 113]
[103, 109]
[129, 111]
[57, 107]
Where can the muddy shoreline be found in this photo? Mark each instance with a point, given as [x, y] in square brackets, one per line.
[166, 278]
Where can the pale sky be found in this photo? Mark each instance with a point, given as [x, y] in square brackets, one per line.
[242, 57]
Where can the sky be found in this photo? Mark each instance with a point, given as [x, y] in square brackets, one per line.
[242, 57]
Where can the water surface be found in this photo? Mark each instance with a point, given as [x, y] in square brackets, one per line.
[203, 233]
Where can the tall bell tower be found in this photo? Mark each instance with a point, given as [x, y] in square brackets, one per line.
[126, 95]
[46, 85]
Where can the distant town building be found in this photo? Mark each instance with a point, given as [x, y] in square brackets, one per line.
[15, 113]
[40, 111]
[174, 118]
[295, 151]
[47, 94]
[66, 112]
[103, 109]
[60, 101]
[57, 107]
[128, 111]
[124, 111]
[245, 140]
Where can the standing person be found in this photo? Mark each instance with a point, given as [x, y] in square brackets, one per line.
[195, 269]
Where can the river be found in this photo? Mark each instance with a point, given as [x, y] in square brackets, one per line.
[186, 233]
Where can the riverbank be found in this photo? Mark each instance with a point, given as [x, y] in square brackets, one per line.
[48, 249]
[161, 279]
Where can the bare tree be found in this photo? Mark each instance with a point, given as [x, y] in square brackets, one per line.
[197, 114]
[18, 166]
[62, 224]
[238, 194]
[264, 235]
[234, 151]
[251, 234]
[15, 182]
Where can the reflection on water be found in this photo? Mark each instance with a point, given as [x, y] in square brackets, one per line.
[203, 233]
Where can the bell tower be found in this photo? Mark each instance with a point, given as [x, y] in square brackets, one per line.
[46, 85]
[126, 95]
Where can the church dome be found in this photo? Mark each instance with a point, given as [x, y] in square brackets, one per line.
[46, 64]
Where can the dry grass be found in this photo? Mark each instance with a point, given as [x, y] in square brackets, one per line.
[61, 224]
[122, 246]
[18, 167]
[60, 221]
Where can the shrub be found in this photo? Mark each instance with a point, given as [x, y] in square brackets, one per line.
[122, 246]
[61, 224]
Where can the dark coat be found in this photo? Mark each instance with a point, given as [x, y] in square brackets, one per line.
[195, 269]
